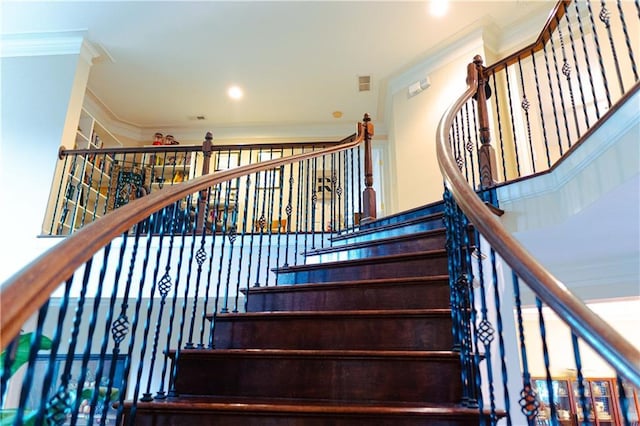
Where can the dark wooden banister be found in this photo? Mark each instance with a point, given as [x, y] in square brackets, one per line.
[596, 332]
[26, 291]
[486, 155]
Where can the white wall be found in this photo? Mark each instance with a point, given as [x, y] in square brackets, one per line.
[36, 93]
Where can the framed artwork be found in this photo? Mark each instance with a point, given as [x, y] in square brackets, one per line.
[271, 178]
[324, 184]
[91, 384]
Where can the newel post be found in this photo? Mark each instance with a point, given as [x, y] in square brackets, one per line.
[202, 199]
[487, 155]
[369, 194]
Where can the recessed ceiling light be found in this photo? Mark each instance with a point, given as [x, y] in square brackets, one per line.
[235, 92]
[336, 114]
[438, 8]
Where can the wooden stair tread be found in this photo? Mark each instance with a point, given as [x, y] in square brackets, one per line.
[202, 402]
[316, 353]
[395, 225]
[336, 314]
[365, 261]
[378, 241]
[345, 284]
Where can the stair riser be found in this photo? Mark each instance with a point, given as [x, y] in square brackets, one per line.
[410, 295]
[412, 267]
[435, 223]
[217, 418]
[373, 333]
[397, 379]
[382, 249]
[402, 217]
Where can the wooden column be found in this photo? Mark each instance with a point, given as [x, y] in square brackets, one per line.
[487, 155]
[369, 194]
[202, 199]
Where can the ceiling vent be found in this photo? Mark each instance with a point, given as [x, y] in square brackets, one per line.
[364, 83]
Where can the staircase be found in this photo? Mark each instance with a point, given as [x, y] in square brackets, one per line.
[360, 335]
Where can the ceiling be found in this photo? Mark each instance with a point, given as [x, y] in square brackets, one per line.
[166, 62]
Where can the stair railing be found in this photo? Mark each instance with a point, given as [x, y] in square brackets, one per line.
[485, 260]
[101, 318]
[89, 183]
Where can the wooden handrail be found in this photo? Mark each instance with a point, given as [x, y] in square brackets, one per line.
[598, 334]
[552, 22]
[26, 291]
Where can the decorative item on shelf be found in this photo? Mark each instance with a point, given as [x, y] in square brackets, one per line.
[171, 161]
[158, 139]
[178, 176]
[169, 140]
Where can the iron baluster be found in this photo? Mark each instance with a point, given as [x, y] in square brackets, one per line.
[525, 106]
[566, 71]
[560, 93]
[253, 223]
[544, 127]
[314, 202]
[578, 74]
[353, 191]
[288, 212]
[513, 126]
[359, 180]
[244, 234]
[580, 381]
[164, 287]
[553, 99]
[497, 303]
[627, 40]
[27, 382]
[605, 17]
[216, 302]
[116, 327]
[600, 60]
[232, 236]
[306, 202]
[200, 257]
[586, 58]
[299, 207]
[474, 114]
[262, 223]
[321, 190]
[272, 196]
[500, 137]
[73, 341]
[280, 227]
[546, 358]
[469, 145]
[485, 335]
[60, 403]
[340, 210]
[528, 401]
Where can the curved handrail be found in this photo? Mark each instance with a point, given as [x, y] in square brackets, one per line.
[27, 290]
[603, 338]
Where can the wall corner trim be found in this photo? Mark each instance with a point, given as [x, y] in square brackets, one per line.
[42, 44]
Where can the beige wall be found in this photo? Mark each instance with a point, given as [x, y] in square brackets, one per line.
[414, 122]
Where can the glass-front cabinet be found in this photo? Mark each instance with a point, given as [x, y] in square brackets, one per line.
[601, 402]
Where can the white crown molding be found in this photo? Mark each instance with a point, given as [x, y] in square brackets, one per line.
[229, 134]
[42, 44]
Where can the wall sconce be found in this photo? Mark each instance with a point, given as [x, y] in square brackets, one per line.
[419, 86]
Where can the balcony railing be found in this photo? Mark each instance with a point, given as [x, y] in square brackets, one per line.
[520, 117]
